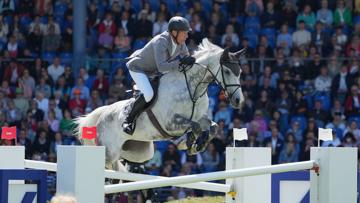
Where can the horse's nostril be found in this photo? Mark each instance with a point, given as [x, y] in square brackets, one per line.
[237, 101]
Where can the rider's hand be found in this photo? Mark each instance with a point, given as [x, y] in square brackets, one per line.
[187, 60]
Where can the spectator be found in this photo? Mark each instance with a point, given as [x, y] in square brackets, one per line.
[41, 144]
[127, 24]
[101, 84]
[28, 84]
[51, 40]
[223, 114]
[68, 76]
[37, 24]
[211, 158]
[276, 143]
[288, 154]
[306, 146]
[53, 122]
[23, 140]
[160, 25]
[299, 107]
[67, 124]
[77, 104]
[44, 88]
[154, 164]
[172, 157]
[270, 18]
[352, 102]
[13, 46]
[284, 39]
[43, 7]
[230, 34]
[13, 72]
[42, 101]
[55, 70]
[143, 26]
[20, 102]
[55, 143]
[55, 108]
[307, 16]
[320, 37]
[353, 128]
[118, 89]
[83, 89]
[106, 39]
[341, 84]
[94, 101]
[301, 38]
[342, 15]
[288, 15]
[51, 26]
[349, 140]
[108, 25]
[122, 42]
[36, 113]
[323, 82]
[325, 15]
[14, 115]
[254, 7]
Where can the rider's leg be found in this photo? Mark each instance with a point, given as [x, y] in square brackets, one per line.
[143, 84]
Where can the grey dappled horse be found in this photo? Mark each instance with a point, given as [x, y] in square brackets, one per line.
[182, 105]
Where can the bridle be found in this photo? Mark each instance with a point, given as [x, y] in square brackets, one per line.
[224, 85]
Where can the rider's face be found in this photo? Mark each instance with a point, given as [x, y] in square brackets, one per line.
[182, 36]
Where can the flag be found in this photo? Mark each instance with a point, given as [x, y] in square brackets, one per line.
[8, 133]
[89, 132]
[325, 134]
[240, 134]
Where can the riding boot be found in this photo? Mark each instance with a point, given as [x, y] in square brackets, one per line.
[138, 107]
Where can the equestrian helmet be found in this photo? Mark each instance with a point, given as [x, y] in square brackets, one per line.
[179, 23]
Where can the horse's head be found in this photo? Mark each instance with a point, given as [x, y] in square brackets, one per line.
[229, 76]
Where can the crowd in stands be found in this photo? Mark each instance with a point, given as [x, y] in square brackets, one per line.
[301, 72]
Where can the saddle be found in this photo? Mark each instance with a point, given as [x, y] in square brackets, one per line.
[155, 82]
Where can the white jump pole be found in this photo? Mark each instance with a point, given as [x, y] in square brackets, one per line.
[248, 188]
[337, 178]
[216, 187]
[80, 172]
[220, 175]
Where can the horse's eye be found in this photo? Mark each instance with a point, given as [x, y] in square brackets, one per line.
[227, 72]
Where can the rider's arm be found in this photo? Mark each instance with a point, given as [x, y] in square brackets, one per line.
[161, 57]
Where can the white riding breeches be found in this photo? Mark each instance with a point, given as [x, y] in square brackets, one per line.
[143, 83]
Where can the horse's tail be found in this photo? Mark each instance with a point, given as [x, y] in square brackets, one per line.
[87, 121]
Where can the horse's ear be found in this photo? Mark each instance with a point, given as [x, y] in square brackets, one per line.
[225, 54]
[240, 53]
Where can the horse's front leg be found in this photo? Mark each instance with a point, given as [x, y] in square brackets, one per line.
[199, 142]
[206, 136]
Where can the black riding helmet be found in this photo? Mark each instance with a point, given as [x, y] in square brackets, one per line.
[179, 23]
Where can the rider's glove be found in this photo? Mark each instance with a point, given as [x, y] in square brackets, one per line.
[187, 60]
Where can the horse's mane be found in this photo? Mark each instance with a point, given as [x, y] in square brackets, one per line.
[205, 47]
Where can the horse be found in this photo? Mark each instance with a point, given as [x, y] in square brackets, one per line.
[180, 109]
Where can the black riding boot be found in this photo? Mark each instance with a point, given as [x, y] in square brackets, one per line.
[138, 107]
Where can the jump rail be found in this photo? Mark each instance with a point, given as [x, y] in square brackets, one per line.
[216, 187]
[125, 187]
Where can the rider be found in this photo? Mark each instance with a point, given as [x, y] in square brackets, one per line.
[165, 52]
